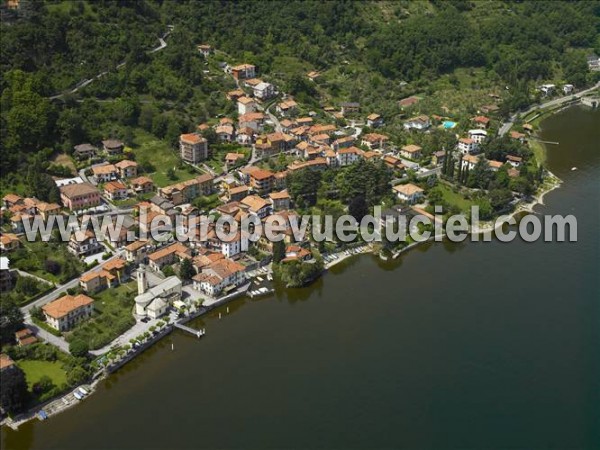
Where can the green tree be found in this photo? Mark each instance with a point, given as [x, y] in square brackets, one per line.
[12, 319]
[14, 394]
[278, 251]
[186, 269]
[78, 348]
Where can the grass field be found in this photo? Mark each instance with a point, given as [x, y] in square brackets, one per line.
[34, 370]
[454, 198]
[149, 149]
[112, 317]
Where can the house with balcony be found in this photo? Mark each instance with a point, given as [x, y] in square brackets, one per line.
[66, 312]
[127, 168]
[193, 148]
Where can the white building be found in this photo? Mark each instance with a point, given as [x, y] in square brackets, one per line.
[155, 301]
[264, 90]
[417, 123]
[467, 146]
[246, 105]
[218, 276]
[347, 156]
[235, 245]
[478, 135]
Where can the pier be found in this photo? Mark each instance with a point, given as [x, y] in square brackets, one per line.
[197, 333]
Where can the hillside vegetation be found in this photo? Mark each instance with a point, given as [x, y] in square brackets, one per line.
[372, 52]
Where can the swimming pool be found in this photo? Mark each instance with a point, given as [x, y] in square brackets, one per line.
[449, 124]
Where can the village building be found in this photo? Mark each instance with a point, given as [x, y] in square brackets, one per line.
[205, 50]
[263, 90]
[113, 147]
[256, 205]
[246, 105]
[186, 191]
[64, 313]
[84, 151]
[347, 156]
[115, 190]
[393, 163]
[349, 107]
[243, 71]
[110, 275]
[418, 123]
[514, 161]
[408, 193]
[137, 251]
[375, 141]
[495, 165]
[127, 168]
[467, 146]
[221, 275]
[518, 136]
[252, 120]
[374, 121]
[235, 94]
[25, 337]
[407, 102]
[142, 185]
[438, 158]
[481, 121]
[79, 196]
[478, 135]
[280, 200]
[193, 148]
[287, 108]
[237, 193]
[225, 133]
[84, 243]
[343, 142]
[469, 162]
[261, 181]
[105, 173]
[9, 241]
[168, 255]
[296, 253]
[6, 275]
[411, 151]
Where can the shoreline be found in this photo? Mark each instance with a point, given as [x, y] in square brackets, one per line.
[487, 227]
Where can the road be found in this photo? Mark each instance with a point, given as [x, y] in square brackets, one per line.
[557, 101]
[86, 81]
[62, 289]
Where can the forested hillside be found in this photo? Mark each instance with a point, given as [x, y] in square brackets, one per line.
[372, 52]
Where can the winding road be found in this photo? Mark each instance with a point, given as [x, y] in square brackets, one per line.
[87, 81]
[556, 102]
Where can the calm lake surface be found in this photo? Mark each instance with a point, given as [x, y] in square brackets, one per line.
[477, 345]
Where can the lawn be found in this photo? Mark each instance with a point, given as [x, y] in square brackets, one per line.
[454, 198]
[149, 149]
[112, 317]
[36, 369]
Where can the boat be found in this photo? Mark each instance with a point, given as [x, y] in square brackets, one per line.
[42, 414]
[82, 391]
[77, 395]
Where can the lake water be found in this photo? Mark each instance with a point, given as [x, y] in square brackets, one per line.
[484, 345]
